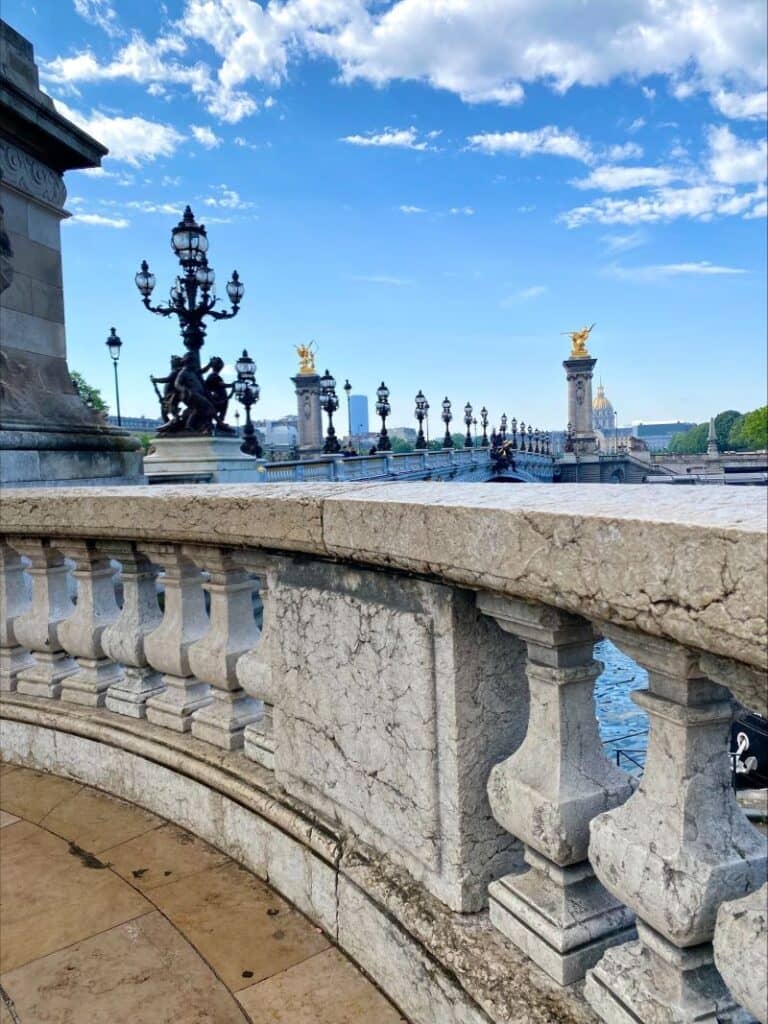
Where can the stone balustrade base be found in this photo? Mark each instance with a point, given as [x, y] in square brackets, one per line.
[435, 964]
[259, 745]
[654, 982]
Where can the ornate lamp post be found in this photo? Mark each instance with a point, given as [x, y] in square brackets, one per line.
[468, 425]
[422, 405]
[530, 438]
[503, 426]
[484, 422]
[329, 403]
[247, 392]
[522, 435]
[474, 432]
[447, 417]
[383, 409]
[513, 426]
[348, 393]
[114, 344]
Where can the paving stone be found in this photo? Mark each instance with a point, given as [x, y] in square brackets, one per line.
[52, 895]
[140, 972]
[96, 821]
[238, 924]
[7, 819]
[32, 795]
[326, 989]
[162, 856]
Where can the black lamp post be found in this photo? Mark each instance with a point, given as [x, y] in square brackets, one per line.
[421, 412]
[474, 432]
[503, 426]
[237, 422]
[447, 417]
[329, 404]
[348, 393]
[513, 427]
[383, 409]
[114, 344]
[530, 438]
[522, 435]
[468, 425]
[247, 392]
[484, 420]
[192, 294]
[536, 441]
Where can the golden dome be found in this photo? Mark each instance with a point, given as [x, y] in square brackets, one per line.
[601, 402]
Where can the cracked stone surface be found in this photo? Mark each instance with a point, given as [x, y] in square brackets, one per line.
[741, 950]
[688, 563]
[392, 699]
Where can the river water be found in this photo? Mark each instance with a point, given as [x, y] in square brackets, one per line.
[623, 725]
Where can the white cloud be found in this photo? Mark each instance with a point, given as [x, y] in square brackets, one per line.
[656, 272]
[620, 179]
[396, 138]
[100, 13]
[624, 151]
[549, 140]
[624, 243]
[751, 106]
[462, 211]
[227, 199]
[636, 125]
[205, 136]
[406, 208]
[695, 202]
[759, 210]
[736, 161]
[133, 140]
[146, 206]
[99, 220]
[534, 291]
[380, 279]
[648, 92]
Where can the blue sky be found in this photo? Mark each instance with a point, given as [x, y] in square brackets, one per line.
[433, 191]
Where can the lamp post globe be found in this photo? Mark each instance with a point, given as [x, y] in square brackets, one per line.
[422, 405]
[114, 344]
[348, 393]
[329, 403]
[468, 425]
[484, 421]
[247, 392]
[503, 426]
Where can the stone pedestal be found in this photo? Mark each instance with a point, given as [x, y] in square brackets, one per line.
[579, 376]
[199, 459]
[310, 419]
[47, 434]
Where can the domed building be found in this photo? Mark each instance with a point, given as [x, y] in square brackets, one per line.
[603, 416]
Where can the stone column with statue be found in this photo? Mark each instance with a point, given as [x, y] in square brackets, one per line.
[308, 387]
[578, 370]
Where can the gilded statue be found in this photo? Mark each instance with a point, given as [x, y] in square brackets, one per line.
[306, 354]
[579, 342]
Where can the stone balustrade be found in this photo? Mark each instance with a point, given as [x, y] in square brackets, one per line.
[401, 678]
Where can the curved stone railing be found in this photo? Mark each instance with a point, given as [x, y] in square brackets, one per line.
[396, 681]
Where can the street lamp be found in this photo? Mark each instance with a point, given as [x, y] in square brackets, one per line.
[348, 393]
[383, 409]
[468, 425]
[530, 438]
[422, 405]
[503, 426]
[114, 344]
[484, 420]
[247, 392]
[192, 300]
[447, 417]
[329, 404]
[474, 432]
[536, 441]
[513, 426]
[522, 435]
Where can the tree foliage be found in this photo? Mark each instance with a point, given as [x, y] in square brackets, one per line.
[90, 396]
[750, 432]
[399, 445]
[694, 441]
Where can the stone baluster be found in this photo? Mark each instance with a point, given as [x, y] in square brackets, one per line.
[741, 951]
[547, 792]
[675, 851]
[254, 671]
[167, 648]
[13, 592]
[37, 628]
[214, 659]
[80, 634]
[123, 640]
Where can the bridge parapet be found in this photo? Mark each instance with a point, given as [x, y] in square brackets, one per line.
[405, 728]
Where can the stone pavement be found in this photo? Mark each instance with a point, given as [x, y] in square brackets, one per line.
[108, 915]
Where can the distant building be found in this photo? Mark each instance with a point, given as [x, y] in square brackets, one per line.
[358, 415]
[144, 424]
[603, 414]
[279, 434]
[404, 433]
[658, 435]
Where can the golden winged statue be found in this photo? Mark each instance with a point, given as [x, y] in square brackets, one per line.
[579, 342]
[306, 354]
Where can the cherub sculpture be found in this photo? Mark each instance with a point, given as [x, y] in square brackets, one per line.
[579, 342]
[219, 393]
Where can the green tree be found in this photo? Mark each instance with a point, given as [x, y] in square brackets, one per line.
[399, 445]
[694, 441]
[90, 396]
[750, 433]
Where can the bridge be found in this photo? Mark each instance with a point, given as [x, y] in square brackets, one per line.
[461, 465]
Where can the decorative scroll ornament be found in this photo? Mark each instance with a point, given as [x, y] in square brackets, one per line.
[21, 171]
